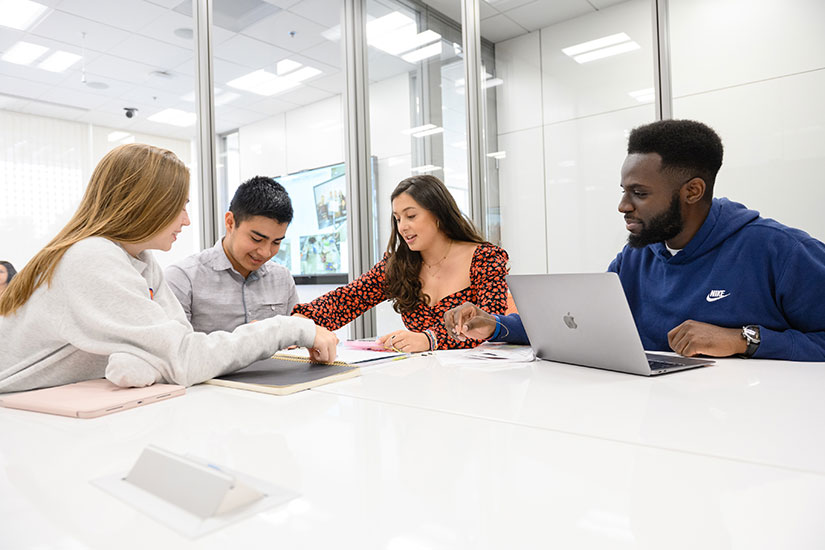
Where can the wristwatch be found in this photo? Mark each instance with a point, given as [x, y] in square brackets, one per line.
[751, 334]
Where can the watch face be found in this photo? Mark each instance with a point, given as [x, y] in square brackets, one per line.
[751, 334]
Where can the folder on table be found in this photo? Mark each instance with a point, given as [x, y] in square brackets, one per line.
[285, 374]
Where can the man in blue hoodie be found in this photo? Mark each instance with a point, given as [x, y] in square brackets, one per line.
[703, 276]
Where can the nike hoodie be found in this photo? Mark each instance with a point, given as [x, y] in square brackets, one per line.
[739, 269]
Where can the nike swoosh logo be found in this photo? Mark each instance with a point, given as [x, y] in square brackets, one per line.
[710, 298]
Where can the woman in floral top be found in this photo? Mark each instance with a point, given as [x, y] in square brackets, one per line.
[435, 260]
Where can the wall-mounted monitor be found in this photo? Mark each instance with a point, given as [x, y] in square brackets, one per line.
[316, 247]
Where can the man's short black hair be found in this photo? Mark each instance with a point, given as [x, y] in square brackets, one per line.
[688, 148]
[261, 196]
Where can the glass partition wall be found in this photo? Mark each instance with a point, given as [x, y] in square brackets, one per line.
[76, 80]
[561, 85]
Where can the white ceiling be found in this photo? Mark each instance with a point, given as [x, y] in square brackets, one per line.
[131, 46]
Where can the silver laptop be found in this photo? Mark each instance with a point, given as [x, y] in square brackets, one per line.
[584, 319]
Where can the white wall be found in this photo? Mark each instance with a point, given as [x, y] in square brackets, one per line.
[755, 71]
[563, 126]
[763, 94]
[45, 166]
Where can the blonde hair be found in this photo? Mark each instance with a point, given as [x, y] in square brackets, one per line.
[135, 191]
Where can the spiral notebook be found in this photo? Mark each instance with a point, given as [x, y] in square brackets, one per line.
[285, 374]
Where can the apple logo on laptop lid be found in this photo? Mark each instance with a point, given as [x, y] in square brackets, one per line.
[570, 321]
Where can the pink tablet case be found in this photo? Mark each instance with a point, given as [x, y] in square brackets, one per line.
[89, 399]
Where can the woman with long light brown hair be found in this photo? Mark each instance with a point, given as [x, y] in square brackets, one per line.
[94, 302]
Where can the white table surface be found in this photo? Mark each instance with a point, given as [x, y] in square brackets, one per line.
[389, 461]
[766, 412]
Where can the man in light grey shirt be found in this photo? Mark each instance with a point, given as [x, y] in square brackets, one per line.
[234, 282]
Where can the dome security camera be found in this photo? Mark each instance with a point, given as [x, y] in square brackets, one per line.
[130, 111]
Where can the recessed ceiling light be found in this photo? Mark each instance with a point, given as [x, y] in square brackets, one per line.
[430, 132]
[595, 44]
[302, 74]
[175, 117]
[396, 33]
[97, 85]
[24, 53]
[262, 82]
[59, 61]
[607, 52]
[422, 53]
[20, 14]
[600, 48]
[285, 66]
[225, 98]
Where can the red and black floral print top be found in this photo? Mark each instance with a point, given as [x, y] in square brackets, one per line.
[488, 290]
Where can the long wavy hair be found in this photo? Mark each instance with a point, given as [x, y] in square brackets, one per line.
[404, 265]
[135, 191]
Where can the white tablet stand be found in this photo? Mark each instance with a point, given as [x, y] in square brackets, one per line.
[189, 495]
[203, 490]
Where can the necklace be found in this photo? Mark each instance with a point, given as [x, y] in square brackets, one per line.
[437, 264]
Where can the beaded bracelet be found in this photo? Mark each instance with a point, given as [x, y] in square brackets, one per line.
[431, 337]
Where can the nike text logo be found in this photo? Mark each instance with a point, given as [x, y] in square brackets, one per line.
[714, 295]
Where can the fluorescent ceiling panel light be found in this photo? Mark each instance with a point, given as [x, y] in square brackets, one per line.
[642, 96]
[387, 24]
[418, 129]
[498, 155]
[302, 74]
[396, 33]
[422, 53]
[175, 117]
[24, 53]
[59, 61]
[117, 136]
[286, 66]
[425, 168]
[20, 14]
[403, 40]
[607, 52]
[604, 42]
[225, 98]
[429, 132]
[190, 97]
[263, 83]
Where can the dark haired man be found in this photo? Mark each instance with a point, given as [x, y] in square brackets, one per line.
[703, 276]
[234, 282]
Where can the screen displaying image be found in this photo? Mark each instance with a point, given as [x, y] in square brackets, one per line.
[318, 228]
[331, 202]
[321, 253]
[316, 245]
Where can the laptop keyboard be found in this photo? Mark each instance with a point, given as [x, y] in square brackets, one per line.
[659, 365]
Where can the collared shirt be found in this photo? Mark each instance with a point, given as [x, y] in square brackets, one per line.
[216, 297]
